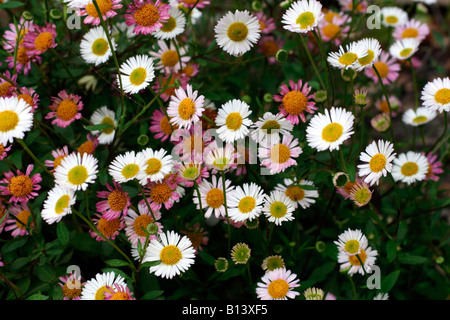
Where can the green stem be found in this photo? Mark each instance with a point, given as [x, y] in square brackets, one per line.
[226, 210]
[378, 221]
[422, 134]
[416, 90]
[353, 286]
[199, 197]
[249, 273]
[145, 199]
[341, 155]
[313, 64]
[132, 121]
[325, 61]
[437, 143]
[24, 146]
[361, 263]
[63, 63]
[383, 88]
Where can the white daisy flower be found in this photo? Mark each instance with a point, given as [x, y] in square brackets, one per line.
[330, 130]
[410, 167]
[107, 282]
[103, 115]
[175, 253]
[238, 32]
[278, 284]
[212, 196]
[76, 171]
[168, 59]
[299, 193]
[77, 3]
[58, 204]
[157, 164]
[271, 128]
[393, 16]
[136, 73]
[126, 167]
[377, 159]
[404, 49]
[16, 118]
[94, 46]
[349, 57]
[173, 27]
[373, 48]
[436, 95]
[232, 120]
[221, 158]
[418, 117]
[351, 241]
[303, 16]
[246, 202]
[185, 107]
[278, 207]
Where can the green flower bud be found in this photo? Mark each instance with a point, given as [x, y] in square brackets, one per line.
[221, 264]
[267, 97]
[281, 55]
[152, 229]
[143, 139]
[56, 14]
[27, 16]
[285, 4]
[257, 6]
[320, 246]
[321, 96]
[246, 98]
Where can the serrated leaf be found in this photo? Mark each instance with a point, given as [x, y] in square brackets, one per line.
[388, 282]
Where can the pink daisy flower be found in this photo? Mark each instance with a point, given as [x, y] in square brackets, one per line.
[198, 236]
[117, 202]
[22, 187]
[161, 193]
[190, 142]
[269, 46]
[106, 7]
[347, 5]
[30, 96]
[165, 84]
[40, 40]
[147, 16]
[23, 61]
[267, 24]
[168, 58]
[65, 109]
[18, 225]
[191, 3]
[58, 156]
[333, 30]
[434, 167]
[89, 145]
[10, 36]
[190, 70]
[280, 156]
[108, 228]
[160, 125]
[387, 67]
[4, 151]
[278, 284]
[118, 292]
[189, 172]
[345, 190]
[6, 88]
[71, 286]
[134, 223]
[295, 101]
[411, 29]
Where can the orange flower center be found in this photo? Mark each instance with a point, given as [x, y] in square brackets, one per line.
[382, 68]
[86, 147]
[4, 88]
[147, 15]
[160, 193]
[43, 41]
[117, 200]
[295, 102]
[103, 5]
[108, 227]
[20, 186]
[140, 222]
[23, 217]
[67, 110]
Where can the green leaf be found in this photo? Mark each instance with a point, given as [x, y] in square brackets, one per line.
[391, 250]
[20, 262]
[389, 281]
[408, 258]
[13, 244]
[307, 187]
[11, 5]
[45, 273]
[37, 296]
[99, 127]
[116, 263]
[62, 233]
[152, 295]
[207, 258]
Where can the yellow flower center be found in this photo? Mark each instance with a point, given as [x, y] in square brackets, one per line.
[295, 193]
[221, 162]
[99, 47]
[103, 5]
[271, 125]
[57, 161]
[329, 16]
[43, 41]
[130, 170]
[140, 222]
[8, 120]
[233, 121]
[278, 289]
[331, 31]
[420, 119]
[67, 110]
[23, 217]
[295, 102]
[147, 15]
[332, 132]
[237, 31]
[160, 193]
[169, 58]
[153, 166]
[165, 126]
[406, 52]
[191, 173]
[62, 204]
[100, 294]
[108, 227]
[77, 175]
[186, 108]
[169, 25]
[22, 56]
[352, 246]
[215, 198]
[442, 96]
[280, 153]
[137, 76]
[409, 169]
[377, 162]
[170, 255]
[4, 88]
[410, 33]
[108, 120]
[367, 59]
[391, 19]
[278, 209]
[348, 58]
[362, 196]
[305, 20]
[247, 204]
[20, 186]
[117, 200]
[354, 259]
[382, 69]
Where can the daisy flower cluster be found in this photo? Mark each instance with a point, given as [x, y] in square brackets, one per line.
[206, 143]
